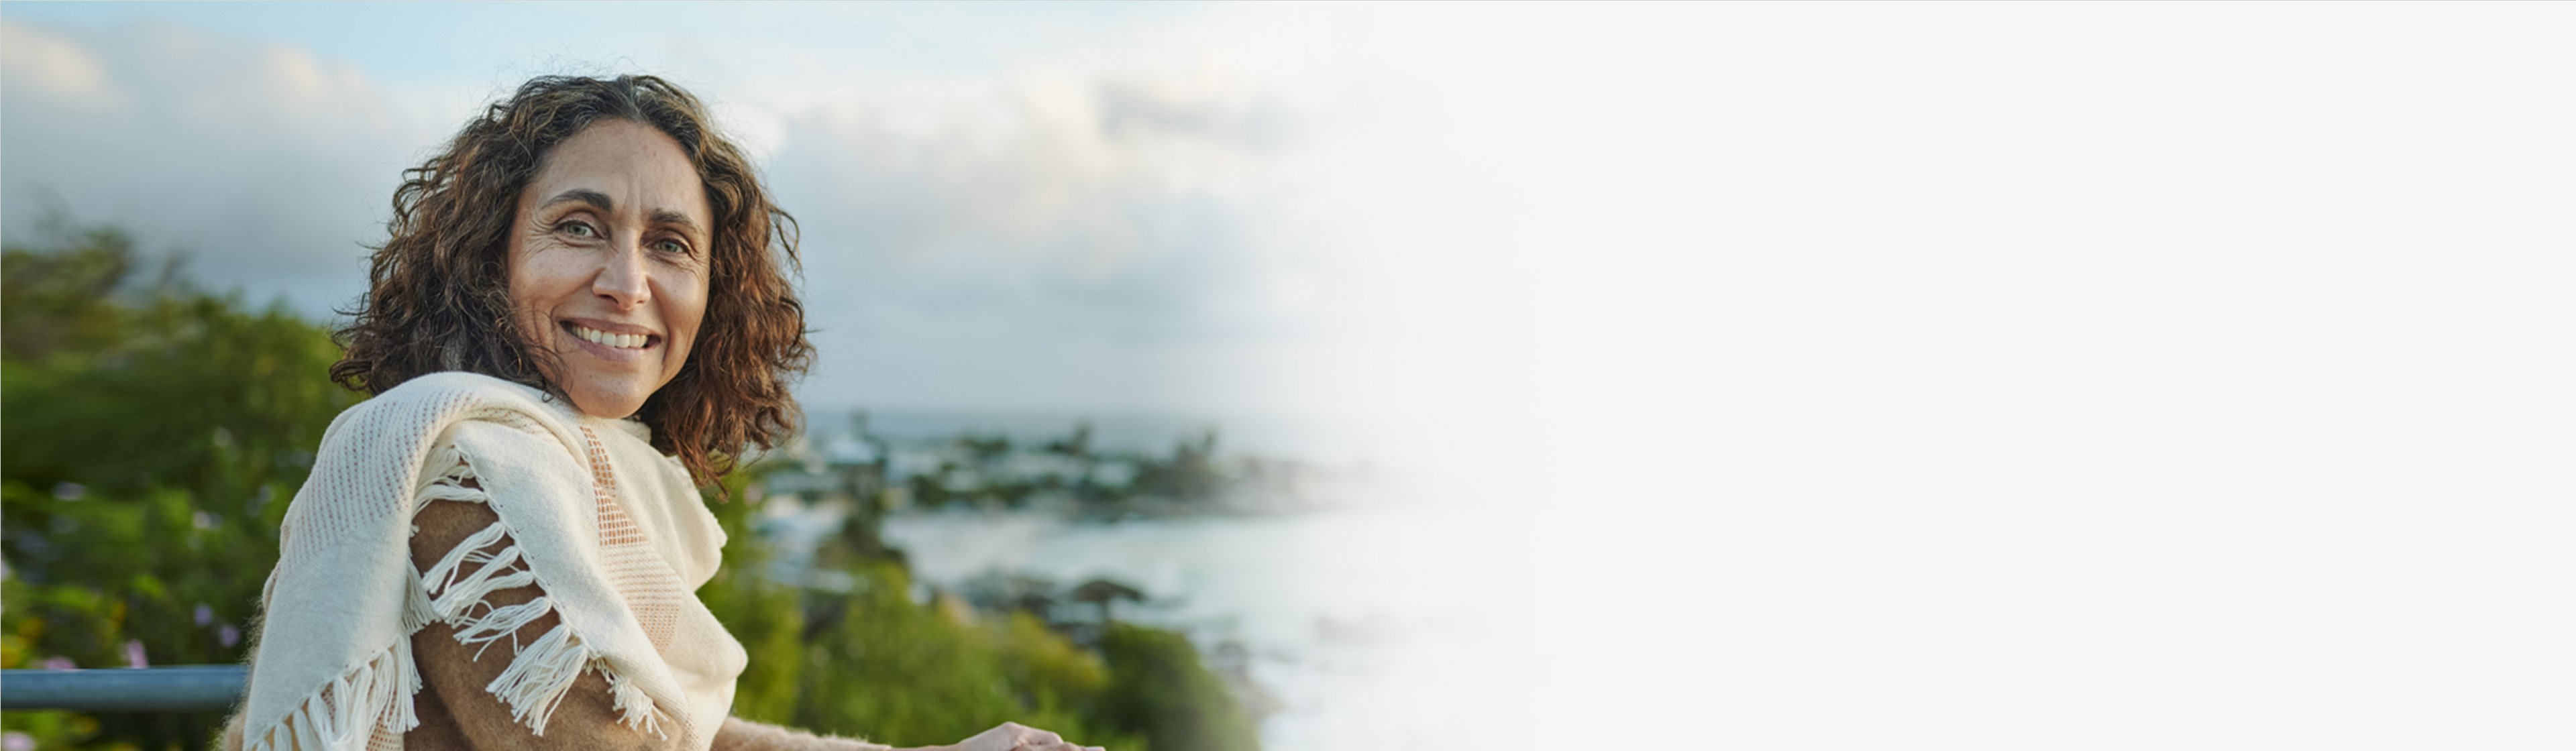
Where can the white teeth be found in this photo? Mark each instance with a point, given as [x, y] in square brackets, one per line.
[603, 338]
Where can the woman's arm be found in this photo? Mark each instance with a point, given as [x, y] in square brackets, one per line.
[457, 713]
[455, 710]
[744, 735]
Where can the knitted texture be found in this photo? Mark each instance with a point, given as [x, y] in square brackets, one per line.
[611, 530]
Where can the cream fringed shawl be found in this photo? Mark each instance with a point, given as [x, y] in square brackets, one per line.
[612, 532]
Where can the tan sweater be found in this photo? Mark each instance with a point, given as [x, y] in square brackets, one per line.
[456, 714]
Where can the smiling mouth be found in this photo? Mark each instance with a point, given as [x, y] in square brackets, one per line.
[612, 341]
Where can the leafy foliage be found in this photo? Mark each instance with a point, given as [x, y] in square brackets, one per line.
[856, 655]
[154, 433]
[1159, 687]
[1190, 475]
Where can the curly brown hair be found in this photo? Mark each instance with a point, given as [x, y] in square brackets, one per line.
[438, 289]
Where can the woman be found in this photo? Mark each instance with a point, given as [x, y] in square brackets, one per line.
[583, 312]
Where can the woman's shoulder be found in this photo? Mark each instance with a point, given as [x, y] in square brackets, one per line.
[411, 429]
[435, 390]
[424, 406]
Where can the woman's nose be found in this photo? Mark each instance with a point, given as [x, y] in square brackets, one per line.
[622, 278]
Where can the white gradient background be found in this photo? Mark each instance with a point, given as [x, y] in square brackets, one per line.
[2029, 376]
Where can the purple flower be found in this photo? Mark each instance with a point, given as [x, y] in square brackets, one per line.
[205, 615]
[228, 635]
[134, 655]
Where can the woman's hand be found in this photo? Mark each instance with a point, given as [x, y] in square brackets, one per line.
[1012, 736]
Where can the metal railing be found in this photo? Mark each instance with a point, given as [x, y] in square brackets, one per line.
[186, 688]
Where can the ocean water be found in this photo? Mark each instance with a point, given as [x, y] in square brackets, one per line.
[1339, 618]
[1276, 437]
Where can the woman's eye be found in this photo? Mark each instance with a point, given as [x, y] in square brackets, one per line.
[580, 229]
[672, 246]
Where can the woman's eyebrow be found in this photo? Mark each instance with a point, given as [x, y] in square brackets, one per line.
[595, 198]
[674, 218]
[602, 202]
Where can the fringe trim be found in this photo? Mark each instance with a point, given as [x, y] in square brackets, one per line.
[457, 471]
[634, 709]
[542, 674]
[343, 714]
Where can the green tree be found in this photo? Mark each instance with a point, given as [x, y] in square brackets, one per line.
[1190, 475]
[154, 433]
[857, 656]
[1159, 688]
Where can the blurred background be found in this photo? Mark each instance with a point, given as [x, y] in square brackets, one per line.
[1222, 376]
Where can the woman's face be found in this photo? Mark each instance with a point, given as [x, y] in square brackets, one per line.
[608, 264]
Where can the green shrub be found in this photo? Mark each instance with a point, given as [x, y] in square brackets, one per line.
[154, 434]
[873, 663]
[1159, 688]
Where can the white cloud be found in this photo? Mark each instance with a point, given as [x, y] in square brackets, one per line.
[1069, 167]
[267, 166]
[1076, 219]
[51, 64]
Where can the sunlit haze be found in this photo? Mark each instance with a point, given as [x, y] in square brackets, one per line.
[1833, 375]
